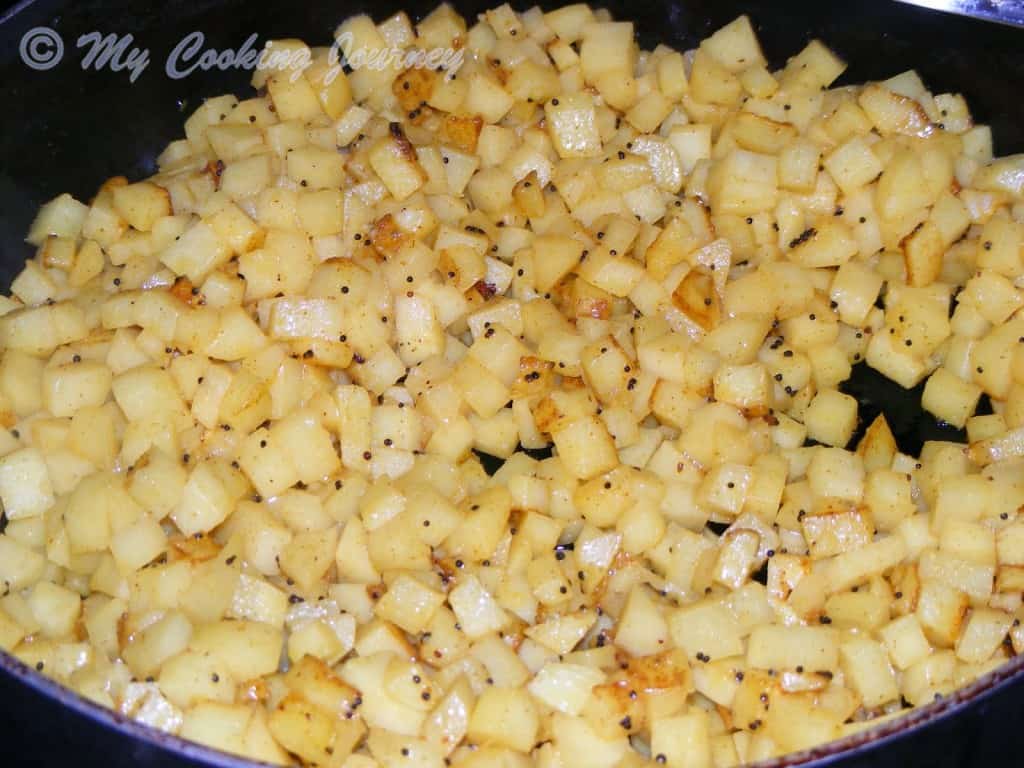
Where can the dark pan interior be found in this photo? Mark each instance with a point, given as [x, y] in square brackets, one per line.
[68, 130]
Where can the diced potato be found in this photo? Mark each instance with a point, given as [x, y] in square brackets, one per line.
[394, 160]
[950, 398]
[247, 649]
[138, 544]
[868, 666]
[476, 609]
[837, 473]
[157, 643]
[55, 608]
[565, 687]
[572, 123]
[68, 388]
[411, 413]
[682, 740]
[20, 566]
[812, 648]
[707, 630]
[61, 217]
[585, 447]
[302, 729]
[196, 253]
[831, 418]
[905, 641]
[505, 717]
[983, 635]
[205, 502]
[25, 484]
[853, 165]
[409, 604]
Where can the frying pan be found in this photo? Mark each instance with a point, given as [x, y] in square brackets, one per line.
[69, 128]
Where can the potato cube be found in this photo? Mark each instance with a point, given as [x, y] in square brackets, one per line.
[832, 531]
[851, 568]
[476, 609]
[25, 484]
[141, 204]
[572, 124]
[138, 544]
[692, 143]
[20, 566]
[293, 97]
[1010, 544]
[759, 82]
[409, 604]
[711, 83]
[565, 687]
[256, 599]
[55, 609]
[585, 447]
[197, 253]
[983, 636]
[707, 630]
[267, 464]
[865, 664]
[608, 46]
[793, 647]
[190, 677]
[745, 386]
[950, 398]
[744, 183]
[482, 527]
[735, 45]
[307, 557]
[393, 158]
[854, 289]
[157, 643]
[642, 629]
[649, 112]
[505, 717]
[300, 434]
[835, 472]
[490, 189]
[303, 729]
[487, 98]
[831, 418]
[853, 164]
[905, 641]
[61, 217]
[830, 244]
[248, 649]
[975, 579]
[672, 76]
[316, 168]
[682, 741]
[889, 496]
[205, 502]
[555, 257]
[67, 388]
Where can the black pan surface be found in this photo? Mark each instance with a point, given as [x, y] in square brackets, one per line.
[70, 128]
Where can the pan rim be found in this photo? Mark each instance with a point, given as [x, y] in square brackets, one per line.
[871, 738]
[14, 10]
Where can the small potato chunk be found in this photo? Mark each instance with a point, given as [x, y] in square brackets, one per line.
[572, 124]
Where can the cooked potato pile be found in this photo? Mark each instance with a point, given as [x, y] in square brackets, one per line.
[245, 402]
